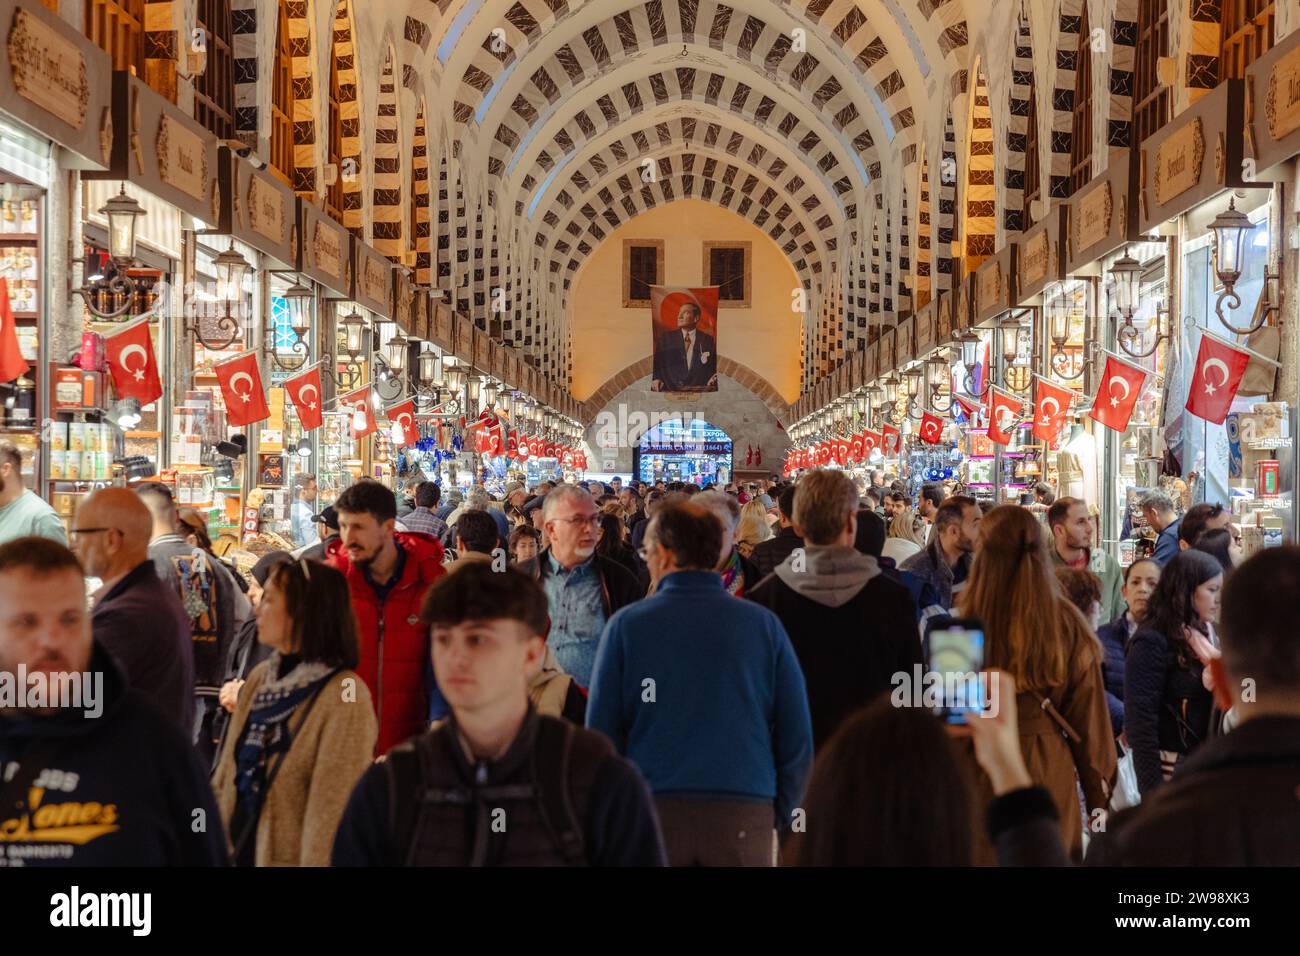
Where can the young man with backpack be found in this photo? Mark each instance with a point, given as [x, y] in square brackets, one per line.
[496, 783]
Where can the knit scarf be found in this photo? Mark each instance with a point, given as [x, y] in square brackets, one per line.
[267, 731]
[733, 581]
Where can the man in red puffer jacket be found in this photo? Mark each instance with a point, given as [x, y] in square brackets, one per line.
[388, 573]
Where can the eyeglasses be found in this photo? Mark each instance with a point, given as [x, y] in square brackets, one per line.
[591, 521]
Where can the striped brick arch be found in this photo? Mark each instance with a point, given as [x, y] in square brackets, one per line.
[1123, 38]
[979, 228]
[948, 221]
[1019, 115]
[421, 230]
[923, 265]
[1067, 64]
[709, 23]
[732, 369]
[387, 211]
[345, 64]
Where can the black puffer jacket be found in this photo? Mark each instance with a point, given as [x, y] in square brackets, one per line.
[1232, 803]
[1166, 707]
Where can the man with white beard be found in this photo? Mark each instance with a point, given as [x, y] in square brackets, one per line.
[582, 588]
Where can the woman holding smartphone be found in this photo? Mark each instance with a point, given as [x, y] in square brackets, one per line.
[304, 727]
[1168, 692]
[1034, 634]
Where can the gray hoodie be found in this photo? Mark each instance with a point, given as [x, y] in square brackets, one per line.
[828, 574]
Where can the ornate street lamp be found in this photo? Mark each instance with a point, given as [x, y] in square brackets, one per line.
[1230, 228]
[1126, 273]
[123, 214]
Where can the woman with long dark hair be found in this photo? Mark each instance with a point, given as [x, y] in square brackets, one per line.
[1168, 699]
[1034, 633]
[304, 728]
[890, 789]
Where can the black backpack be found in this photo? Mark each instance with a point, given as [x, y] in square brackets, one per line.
[413, 779]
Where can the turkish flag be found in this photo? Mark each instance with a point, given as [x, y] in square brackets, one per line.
[856, 448]
[304, 392]
[1051, 404]
[131, 363]
[241, 387]
[758, 455]
[12, 363]
[1219, 368]
[870, 442]
[969, 409]
[496, 438]
[1003, 410]
[1121, 385]
[931, 430]
[359, 401]
[889, 439]
[842, 451]
[403, 414]
[512, 443]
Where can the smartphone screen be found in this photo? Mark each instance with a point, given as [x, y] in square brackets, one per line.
[956, 658]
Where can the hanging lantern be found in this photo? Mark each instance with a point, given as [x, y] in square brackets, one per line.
[231, 269]
[1229, 228]
[298, 301]
[122, 213]
[354, 329]
[427, 368]
[1126, 273]
[395, 352]
[970, 343]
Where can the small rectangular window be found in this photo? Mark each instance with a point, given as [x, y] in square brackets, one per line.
[643, 266]
[726, 265]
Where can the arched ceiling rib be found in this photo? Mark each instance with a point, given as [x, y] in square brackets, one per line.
[862, 99]
[642, 86]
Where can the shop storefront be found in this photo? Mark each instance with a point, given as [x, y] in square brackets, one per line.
[1086, 319]
[693, 451]
[160, 187]
[47, 100]
[1195, 177]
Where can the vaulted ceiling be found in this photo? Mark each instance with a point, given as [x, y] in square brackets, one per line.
[574, 117]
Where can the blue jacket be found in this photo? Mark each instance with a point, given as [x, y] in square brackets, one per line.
[727, 712]
[1114, 639]
[1167, 546]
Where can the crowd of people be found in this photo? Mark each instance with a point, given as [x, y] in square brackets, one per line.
[648, 675]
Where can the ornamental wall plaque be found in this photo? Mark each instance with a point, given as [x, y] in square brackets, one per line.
[1282, 100]
[48, 69]
[106, 135]
[326, 251]
[265, 209]
[1178, 162]
[182, 158]
[1092, 220]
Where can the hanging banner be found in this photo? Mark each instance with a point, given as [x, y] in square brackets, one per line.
[1003, 410]
[132, 364]
[1121, 385]
[304, 392]
[241, 388]
[402, 416]
[1051, 405]
[931, 430]
[1215, 379]
[684, 326]
[359, 401]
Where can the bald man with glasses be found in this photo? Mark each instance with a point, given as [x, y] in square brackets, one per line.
[137, 617]
[583, 589]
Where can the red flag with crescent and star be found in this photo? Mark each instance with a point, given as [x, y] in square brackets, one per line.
[304, 392]
[856, 452]
[1121, 386]
[1003, 410]
[359, 401]
[241, 387]
[968, 408]
[1051, 405]
[1219, 368]
[403, 415]
[131, 363]
[889, 440]
[870, 442]
[931, 430]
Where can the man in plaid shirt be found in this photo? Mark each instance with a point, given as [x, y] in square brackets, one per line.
[422, 518]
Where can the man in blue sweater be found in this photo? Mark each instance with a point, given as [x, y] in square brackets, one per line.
[704, 694]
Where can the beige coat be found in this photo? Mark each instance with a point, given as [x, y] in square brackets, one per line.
[329, 752]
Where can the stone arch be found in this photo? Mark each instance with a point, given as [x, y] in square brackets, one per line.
[386, 198]
[761, 387]
[979, 226]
